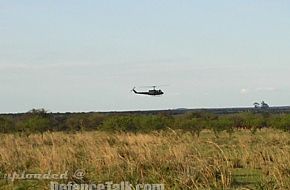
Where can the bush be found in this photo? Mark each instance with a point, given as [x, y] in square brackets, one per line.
[119, 124]
[34, 123]
[6, 125]
[222, 124]
[38, 120]
[281, 122]
[193, 125]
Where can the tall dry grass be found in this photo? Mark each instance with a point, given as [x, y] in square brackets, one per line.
[177, 159]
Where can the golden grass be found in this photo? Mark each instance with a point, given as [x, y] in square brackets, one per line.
[177, 159]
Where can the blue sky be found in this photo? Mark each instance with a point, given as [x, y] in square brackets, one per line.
[87, 55]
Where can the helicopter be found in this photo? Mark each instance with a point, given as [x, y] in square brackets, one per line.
[152, 92]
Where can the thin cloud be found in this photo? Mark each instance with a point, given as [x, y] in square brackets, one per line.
[266, 89]
[42, 66]
[244, 91]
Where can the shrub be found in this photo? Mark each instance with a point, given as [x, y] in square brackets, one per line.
[34, 123]
[119, 124]
[6, 125]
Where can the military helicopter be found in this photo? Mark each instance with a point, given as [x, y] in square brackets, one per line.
[152, 92]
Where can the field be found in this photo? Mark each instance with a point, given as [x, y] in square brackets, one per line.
[179, 159]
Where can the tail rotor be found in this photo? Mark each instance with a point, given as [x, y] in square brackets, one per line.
[133, 90]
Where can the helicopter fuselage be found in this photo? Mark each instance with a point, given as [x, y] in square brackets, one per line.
[150, 92]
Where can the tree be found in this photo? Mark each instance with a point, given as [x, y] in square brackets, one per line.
[256, 105]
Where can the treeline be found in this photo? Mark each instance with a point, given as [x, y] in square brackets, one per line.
[39, 121]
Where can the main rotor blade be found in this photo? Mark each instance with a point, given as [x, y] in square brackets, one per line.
[152, 86]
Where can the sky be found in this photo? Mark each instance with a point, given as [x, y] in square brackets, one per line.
[86, 55]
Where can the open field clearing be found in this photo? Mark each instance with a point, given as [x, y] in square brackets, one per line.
[177, 159]
[145, 95]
